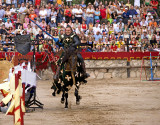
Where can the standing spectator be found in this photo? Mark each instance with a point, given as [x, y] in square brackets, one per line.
[119, 13]
[83, 5]
[22, 12]
[103, 14]
[48, 14]
[53, 13]
[90, 14]
[43, 13]
[68, 14]
[132, 11]
[137, 3]
[154, 4]
[37, 10]
[125, 16]
[2, 12]
[60, 13]
[78, 14]
[96, 15]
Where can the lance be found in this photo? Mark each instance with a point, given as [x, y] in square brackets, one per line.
[44, 31]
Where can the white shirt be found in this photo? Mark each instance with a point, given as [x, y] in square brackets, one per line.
[13, 10]
[137, 3]
[78, 11]
[73, 11]
[96, 29]
[7, 25]
[8, 1]
[22, 9]
[43, 13]
[36, 31]
[78, 31]
[90, 10]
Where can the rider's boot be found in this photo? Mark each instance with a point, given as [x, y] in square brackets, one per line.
[84, 74]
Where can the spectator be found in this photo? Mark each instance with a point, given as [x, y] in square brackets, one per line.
[78, 14]
[90, 13]
[43, 13]
[22, 12]
[132, 11]
[40, 35]
[2, 12]
[103, 14]
[52, 23]
[154, 4]
[67, 14]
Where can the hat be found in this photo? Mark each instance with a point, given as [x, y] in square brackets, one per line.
[0, 19]
[35, 18]
[114, 20]
[89, 3]
[126, 8]
[97, 21]
[120, 19]
[19, 30]
[130, 15]
[149, 14]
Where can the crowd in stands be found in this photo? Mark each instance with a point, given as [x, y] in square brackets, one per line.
[102, 27]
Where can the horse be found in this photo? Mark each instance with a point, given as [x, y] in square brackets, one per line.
[70, 74]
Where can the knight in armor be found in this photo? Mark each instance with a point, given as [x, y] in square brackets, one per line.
[69, 41]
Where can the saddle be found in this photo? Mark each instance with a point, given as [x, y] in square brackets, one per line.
[71, 64]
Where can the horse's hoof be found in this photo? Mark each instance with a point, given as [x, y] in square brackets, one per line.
[77, 102]
[62, 101]
[80, 97]
[53, 94]
[58, 91]
[66, 107]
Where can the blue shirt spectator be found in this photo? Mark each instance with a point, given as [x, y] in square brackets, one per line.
[132, 11]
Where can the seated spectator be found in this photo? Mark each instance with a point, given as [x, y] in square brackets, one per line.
[153, 22]
[153, 41]
[84, 26]
[40, 35]
[136, 23]
[8, 24]
[32, 15]
[97, 36]
[6, 45]
[43, 24]
[25, 24]
[96, 28]
[114, 47]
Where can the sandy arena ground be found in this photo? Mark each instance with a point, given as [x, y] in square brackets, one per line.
[104, 102]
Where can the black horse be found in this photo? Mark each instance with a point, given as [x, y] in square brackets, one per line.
[70, 74]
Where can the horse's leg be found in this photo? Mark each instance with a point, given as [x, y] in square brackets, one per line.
[54, 89]
[66, 101]
[78, 97]
[62, 99]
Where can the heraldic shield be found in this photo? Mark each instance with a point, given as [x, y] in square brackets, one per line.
[23, 44]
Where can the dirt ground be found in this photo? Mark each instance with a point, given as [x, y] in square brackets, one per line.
[104, 102]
